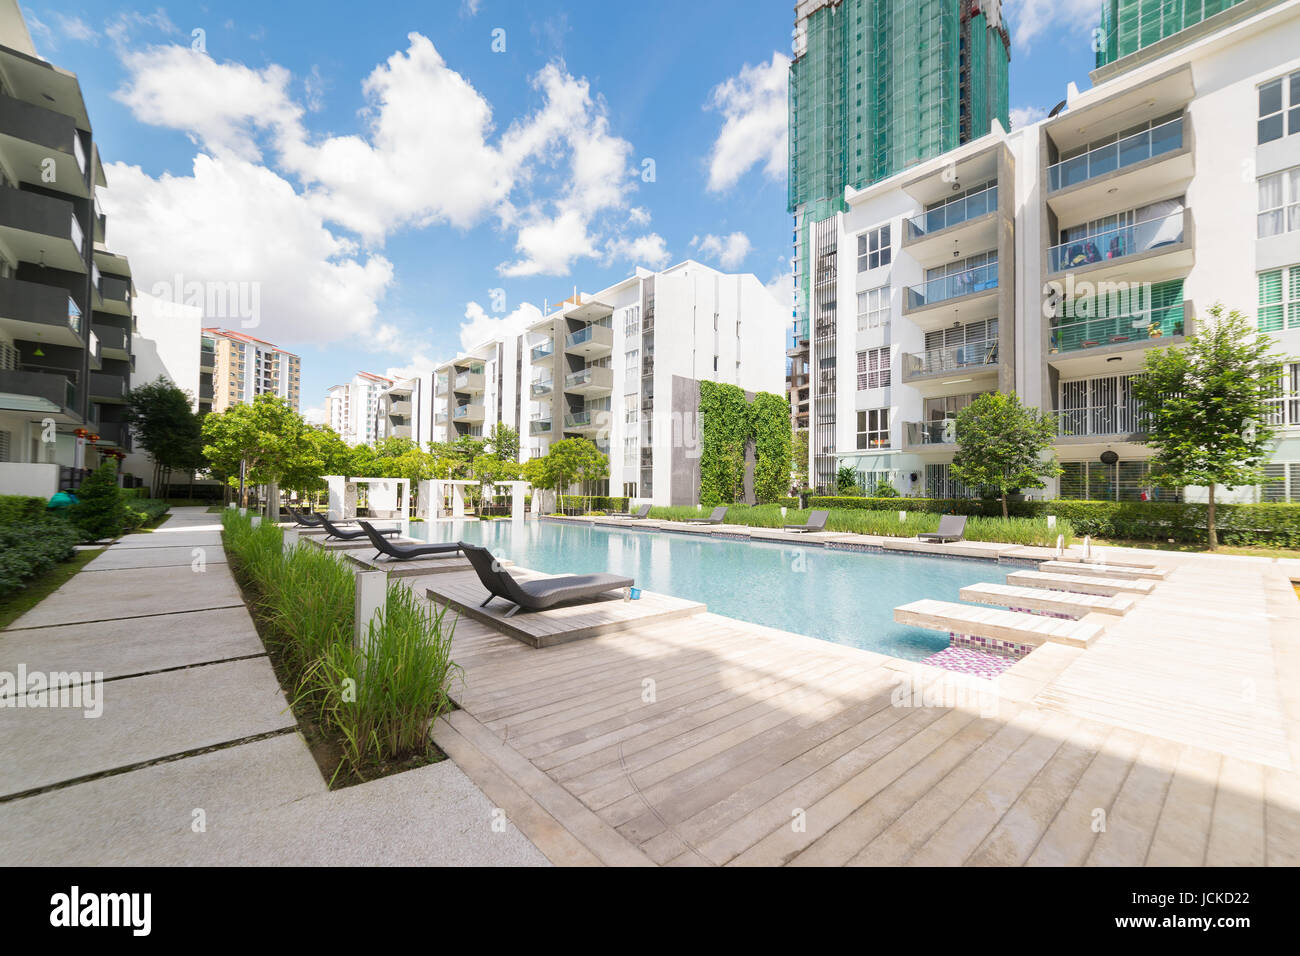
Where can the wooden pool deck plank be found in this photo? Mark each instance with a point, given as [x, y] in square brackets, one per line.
[1041, 599]
[749, 725]
[1123, 571]
[997, 624]
[1080, 583]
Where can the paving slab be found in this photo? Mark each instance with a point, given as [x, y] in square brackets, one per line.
[108, 595]
[143, 718]
[133, 645]
[121, 559]
[148, 814]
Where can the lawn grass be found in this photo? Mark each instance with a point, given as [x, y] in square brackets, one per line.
[39, 588]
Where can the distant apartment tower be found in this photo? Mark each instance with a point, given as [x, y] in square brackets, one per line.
[66, 303]
[402, 411]
[622, 368]
[352, 408]
[876, 86]
[481, 387]
[1139, 30]
[243, 367]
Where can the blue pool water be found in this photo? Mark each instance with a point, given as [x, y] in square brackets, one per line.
[840, 596]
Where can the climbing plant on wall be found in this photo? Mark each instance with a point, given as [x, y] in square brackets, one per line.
[727, 424]
[769, 423]
[724, 430]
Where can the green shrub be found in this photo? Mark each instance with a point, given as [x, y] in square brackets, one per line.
[143, 511]
[585, 503]
[20, 509]
[100, 511]
[30, 548]
[305, 601]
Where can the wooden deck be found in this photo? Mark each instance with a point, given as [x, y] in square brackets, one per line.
[1083, 584]
[701, 740]
[988, 622]
[1041, 599]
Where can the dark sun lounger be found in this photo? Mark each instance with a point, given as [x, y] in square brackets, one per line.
[637, 515]
[344, 534]
[816, 522]
[951, 528]
[305, 519]
[719, 513]
[537, 595]
[405, 552]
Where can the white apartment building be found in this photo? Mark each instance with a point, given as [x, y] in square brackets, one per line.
[1051, 259]
[622, 367]
[482, 387]
[351, 409]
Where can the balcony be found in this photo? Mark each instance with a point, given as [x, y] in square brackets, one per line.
[33, 137]
[440, 418]
[934, 435]
[207, 359]
[440, 387]
[956, 297]
[100, 223]
[43, 392]
[114, 434]
[471, 383]
[42, 229]
[468, 415]
[34, 311]
[585, 422]
[541, 388]
[968, 361]
[967, 223]
[107, 387]
[1150, 250]
[592, 341]
[590, 381]
[1080, 346]
[400, 431]
[542, 352]
[1149, 162]
[401, 408]
[1113, 422]
[115, 342]
[539, 426]
[206, 393]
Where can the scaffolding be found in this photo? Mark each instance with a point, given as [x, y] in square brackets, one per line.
[1131, 25]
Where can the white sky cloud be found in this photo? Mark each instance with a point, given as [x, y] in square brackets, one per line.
[1030, 19]
[728, 251]
[1026, 115]
[755, 128]
[649, 251]
[479, 325]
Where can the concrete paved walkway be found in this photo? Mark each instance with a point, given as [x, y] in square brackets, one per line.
[195, 758]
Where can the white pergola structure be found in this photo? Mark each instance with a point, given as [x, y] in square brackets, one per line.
[431, 495]
[518, 492]
[385, 494]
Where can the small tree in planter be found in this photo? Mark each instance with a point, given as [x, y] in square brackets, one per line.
[100, 511]
[1003, 445]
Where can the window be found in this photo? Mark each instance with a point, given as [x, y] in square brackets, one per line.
[1284, 485]
[940, 484]
[6, 441]
[1279, 299]
[1123, 481]
[1279, 203]
[1279, 108]
[873, 368]
[1286, 403]
[629, 489]
[873, 308]
[632, 320]
[873, 428]
[629, 450]
[874, 249]
[631, 409]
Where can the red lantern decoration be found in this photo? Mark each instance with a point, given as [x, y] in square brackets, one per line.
[81, 433]
[94, 437]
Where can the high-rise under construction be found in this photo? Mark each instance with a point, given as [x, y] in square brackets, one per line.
[877, 86]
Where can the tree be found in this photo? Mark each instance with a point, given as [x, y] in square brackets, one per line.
[799, 454]
[504, 442]
[1003, 445]
[100, 511]
[264, 442]
[162, 417]
[1208, 407]
[573, 460]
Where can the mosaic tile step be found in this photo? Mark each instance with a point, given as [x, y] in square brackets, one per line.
[963, 660]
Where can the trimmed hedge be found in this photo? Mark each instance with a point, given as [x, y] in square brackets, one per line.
[1275, 525]
[143, 511]
[592, 503]
[20, 509]
[30, 548]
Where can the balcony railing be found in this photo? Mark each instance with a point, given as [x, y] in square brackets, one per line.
[545, 350]
[956, 358]
[931, 433]
[1091, 333]
[1118, 243]
[55, 388]
[1165, 138]
[542, 388]
[953, 213]
[595, 376]
[979, 279]
[539, 426]
[1101, 421]
[578, 420]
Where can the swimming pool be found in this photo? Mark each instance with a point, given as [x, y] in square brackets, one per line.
[840, 596]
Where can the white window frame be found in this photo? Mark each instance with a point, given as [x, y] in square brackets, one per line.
[874, 308]
[1287, 211]
[1288, 111]
[883, 253]
[874, 421]
[874, 368]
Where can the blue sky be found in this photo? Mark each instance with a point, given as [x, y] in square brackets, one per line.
[393, 183]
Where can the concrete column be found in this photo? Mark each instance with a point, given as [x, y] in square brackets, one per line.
[517, 501]
[290, 539]
[427, 509]
[372, 591]
[457, 500]
[273, 502]
[336, 485]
